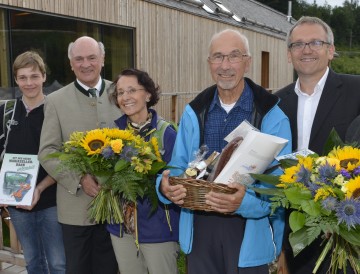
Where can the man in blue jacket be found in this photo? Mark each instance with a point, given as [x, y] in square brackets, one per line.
[249, 238]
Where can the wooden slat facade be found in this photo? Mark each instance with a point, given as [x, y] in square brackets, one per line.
[171, 44]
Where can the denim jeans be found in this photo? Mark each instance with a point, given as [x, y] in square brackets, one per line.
[40, 236]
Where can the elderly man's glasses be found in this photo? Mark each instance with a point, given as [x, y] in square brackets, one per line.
[313, 45]
[131, 91]
[235, 57]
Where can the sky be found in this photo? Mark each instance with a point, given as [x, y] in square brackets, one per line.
[332, 3]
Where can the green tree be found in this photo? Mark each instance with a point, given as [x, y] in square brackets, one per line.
[343, 24]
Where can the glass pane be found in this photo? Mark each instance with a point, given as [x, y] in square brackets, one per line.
[51, 35]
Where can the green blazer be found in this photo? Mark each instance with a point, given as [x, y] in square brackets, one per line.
[68, 110]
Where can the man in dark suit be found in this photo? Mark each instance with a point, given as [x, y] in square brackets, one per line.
[318, 101]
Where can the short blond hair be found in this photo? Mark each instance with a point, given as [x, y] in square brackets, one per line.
[29, 59]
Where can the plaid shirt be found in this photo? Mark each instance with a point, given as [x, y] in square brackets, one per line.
[219, 123]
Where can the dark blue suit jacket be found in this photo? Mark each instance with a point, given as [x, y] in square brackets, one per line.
[339, 105]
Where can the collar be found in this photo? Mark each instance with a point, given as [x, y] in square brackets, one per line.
[318, 87]
[100, 86]
[143, 129]
[97, 86]
[122, 121]
[241, 102]
[28, 109]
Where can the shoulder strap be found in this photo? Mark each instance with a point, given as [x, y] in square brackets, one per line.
[159, 133]
[8, 117]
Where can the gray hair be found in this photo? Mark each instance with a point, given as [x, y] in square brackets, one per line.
[101, 47]
[312, 21]
[243, 38]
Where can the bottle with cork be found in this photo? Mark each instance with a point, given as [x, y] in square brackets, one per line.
[198, 170]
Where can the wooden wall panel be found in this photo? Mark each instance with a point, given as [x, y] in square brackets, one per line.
[171, 45]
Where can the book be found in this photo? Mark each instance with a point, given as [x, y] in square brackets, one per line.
[254, 155]
[18, 177]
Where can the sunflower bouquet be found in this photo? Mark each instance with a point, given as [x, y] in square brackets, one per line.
[323, 194]
[122, 162]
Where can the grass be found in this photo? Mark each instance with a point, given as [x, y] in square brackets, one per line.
[182, 263]
[6, 233]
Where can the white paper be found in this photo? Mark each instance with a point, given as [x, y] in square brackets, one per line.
[254, 155]
[18, 177]
[240, 130]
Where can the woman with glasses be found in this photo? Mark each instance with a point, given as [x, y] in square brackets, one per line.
[147, 242]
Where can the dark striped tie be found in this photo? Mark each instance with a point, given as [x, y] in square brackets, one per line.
[92, 92]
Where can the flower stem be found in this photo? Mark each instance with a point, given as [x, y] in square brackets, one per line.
[323, 254]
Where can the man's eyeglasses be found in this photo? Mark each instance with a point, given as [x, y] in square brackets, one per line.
[313, 45]
[235, 57]
[131, 91]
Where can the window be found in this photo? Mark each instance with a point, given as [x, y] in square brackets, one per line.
[50, 36]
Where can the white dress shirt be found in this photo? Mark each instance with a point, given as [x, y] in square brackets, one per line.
[307, 106]
[97, 86]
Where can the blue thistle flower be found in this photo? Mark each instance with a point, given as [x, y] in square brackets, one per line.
[356, 171]
[345, 173]
[329, 203]
[303, 176]
[327, 173]
[127, 153]
[348, 212]
[107, 152]
[313, 188]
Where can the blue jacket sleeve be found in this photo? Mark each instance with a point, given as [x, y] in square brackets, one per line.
[187, 141]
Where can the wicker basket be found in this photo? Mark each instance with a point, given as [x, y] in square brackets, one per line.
[196, 189]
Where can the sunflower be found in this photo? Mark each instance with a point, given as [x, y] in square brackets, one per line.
[115, 133]
[306, 162]
[353, 188]
[289, 176]
[94, 141]
[348, 156]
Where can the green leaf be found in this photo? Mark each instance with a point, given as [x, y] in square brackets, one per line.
[286, 163]
[312, 233]
[102, 177]
[156, 166]
[297, 195]
[302, 238]
[311, 207]
[120, 165]
[332, 141]
[270, 179]
[298, 240]
[352, 236]
[269, 191]
[296, 220]
[53, 155]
